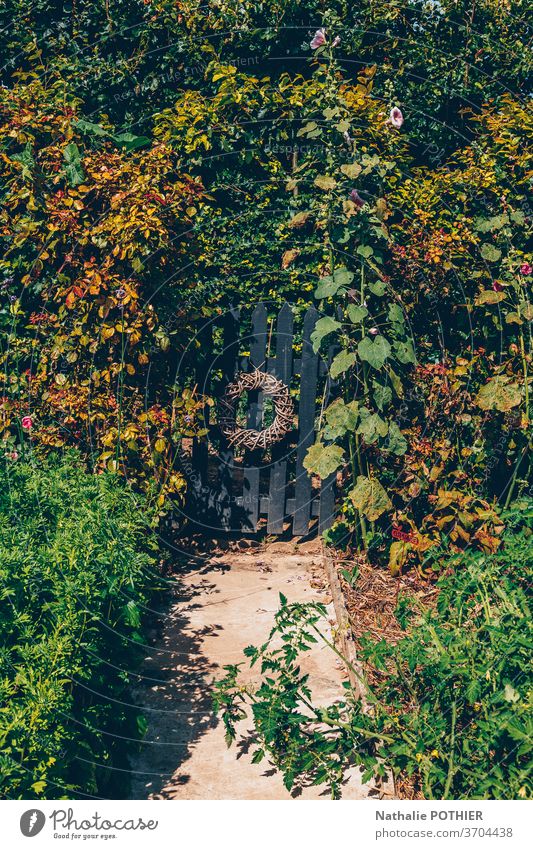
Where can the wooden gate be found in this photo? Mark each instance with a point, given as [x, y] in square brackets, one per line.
[238, 493]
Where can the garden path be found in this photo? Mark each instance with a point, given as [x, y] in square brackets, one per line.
[222, 603]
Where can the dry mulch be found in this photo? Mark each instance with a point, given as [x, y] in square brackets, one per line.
[372, 601]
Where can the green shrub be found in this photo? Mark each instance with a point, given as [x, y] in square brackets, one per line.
[450, 703]
[77, 567]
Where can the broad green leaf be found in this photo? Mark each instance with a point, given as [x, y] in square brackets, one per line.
[382, 395]
[374, 351]
[26, 160]
[341, 418]
[365, 251]
[90, 128]
[73, 166]
[131, 142]
[378, 288]
[323, 460]
[341, 363]
[490, 253]
[369, 497]
[405, 352]
[396, 314]
[396, 443]
[500, 393]
[371, 426]
[323, 328]
[330, 285]
[327, 287]
[396, 382]
[356, 314]
[343, 277]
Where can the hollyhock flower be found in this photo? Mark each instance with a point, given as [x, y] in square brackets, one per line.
[497, 286]
[27, 422]
[336, 41]
[373, 331]
[396, 117]
[319, 39]
[526, 268]
[13, 455]
[356, 198]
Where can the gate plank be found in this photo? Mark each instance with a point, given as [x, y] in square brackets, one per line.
[278, 472]
[252, 459]
[228, 361]
[306, 423]
[326, 513]
[200, 446]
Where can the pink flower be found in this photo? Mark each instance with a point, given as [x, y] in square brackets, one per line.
[396, 117]
[27, 422]
[13, 455]
[319, 39]
[336, 41]
[497, 286]
[355, 197]
[526, 268]
[373, 331]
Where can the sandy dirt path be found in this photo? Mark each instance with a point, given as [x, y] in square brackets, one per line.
[222, 603]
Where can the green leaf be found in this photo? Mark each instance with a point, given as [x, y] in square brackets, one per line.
[330, 285]
[372, 426]
[396, 314]
[405, 352]
[131, 142]
[327, 287]
[341, 418]
[378, 288]
[73, 166]
[341, 363]
[382, 395]
[490, 253]
[365, 251]
[356, 314]
[369, 497]
[343, 277]
[90, 128]
[323, 460]
[374, 351]
[26, 160]
[500, 393]
[323, 328]
[396, 443]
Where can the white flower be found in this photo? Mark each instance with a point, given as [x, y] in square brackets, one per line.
[396, 117]
[319, 39]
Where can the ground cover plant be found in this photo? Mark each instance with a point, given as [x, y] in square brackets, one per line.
[79, 568]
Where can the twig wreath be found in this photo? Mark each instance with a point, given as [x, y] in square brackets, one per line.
[283, 406]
